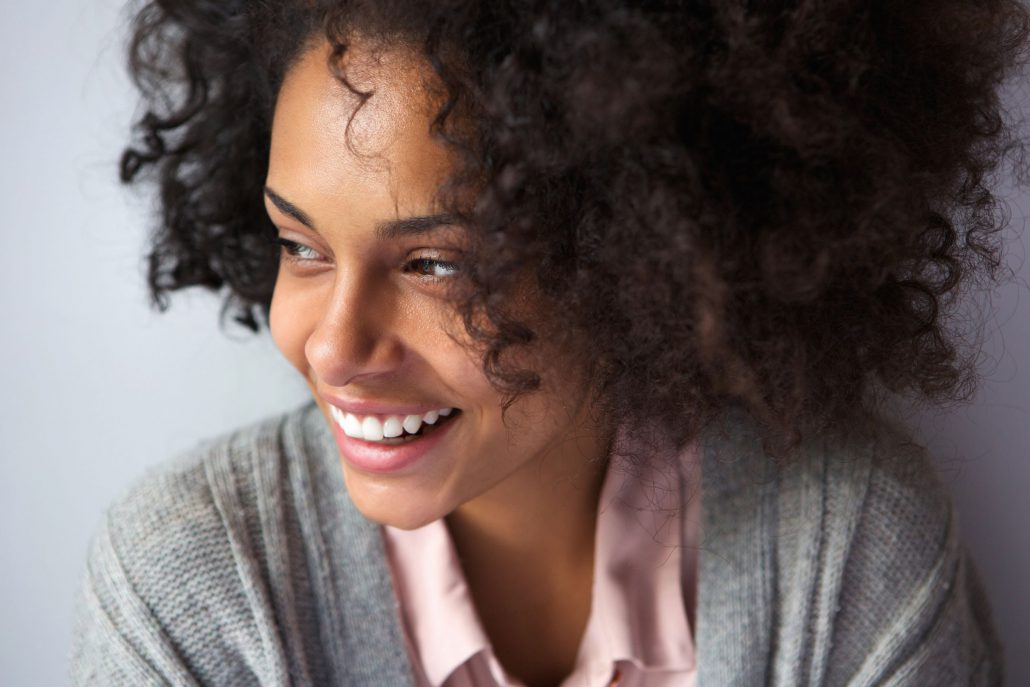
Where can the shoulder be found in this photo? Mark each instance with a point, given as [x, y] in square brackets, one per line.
[878, 490]
[893, 593]
[179, 505]
[873, 471]
[841, 566]
[175, 562]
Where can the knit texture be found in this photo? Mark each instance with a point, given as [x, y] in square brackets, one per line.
[244, 562]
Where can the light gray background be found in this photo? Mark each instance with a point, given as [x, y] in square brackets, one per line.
[96, 386]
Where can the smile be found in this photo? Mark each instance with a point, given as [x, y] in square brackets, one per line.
[391, 429]
[372, 451]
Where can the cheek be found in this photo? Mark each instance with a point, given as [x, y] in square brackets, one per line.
[290, 324]
[462, 368]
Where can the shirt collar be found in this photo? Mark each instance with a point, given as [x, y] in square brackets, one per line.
[638, 574]
[447, 632]
[637, 611]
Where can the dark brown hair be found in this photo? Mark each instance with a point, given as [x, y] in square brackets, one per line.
[772, 205]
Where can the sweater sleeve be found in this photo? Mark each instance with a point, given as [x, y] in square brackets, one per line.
[116, 640]
[165, 598]
[912, 609]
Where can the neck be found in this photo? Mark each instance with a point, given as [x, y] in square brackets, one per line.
[526, 548]
[542, 517]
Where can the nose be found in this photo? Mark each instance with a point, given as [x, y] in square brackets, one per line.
[355, 337]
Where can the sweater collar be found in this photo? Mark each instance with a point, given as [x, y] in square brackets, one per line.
[735, 597]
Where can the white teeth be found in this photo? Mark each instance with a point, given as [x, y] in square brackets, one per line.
[371, 428]
[392, 427]
[412, 423]
[351, 425]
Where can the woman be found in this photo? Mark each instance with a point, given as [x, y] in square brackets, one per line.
[548, 270]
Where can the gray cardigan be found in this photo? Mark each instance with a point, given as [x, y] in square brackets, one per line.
[243, 562]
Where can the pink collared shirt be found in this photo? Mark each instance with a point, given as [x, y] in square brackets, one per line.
[637, 634]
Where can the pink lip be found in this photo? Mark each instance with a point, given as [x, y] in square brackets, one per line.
[382, 458]
[359, 407]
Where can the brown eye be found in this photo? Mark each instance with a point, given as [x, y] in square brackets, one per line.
[298, 251]
[434, 269]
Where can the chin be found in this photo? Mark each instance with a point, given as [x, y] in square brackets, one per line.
[400, 520]
[384, 506]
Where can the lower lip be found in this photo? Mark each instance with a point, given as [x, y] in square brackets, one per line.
[384, 458]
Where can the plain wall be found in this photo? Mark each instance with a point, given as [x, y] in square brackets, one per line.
[97, 386]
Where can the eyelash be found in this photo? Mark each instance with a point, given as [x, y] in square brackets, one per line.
[294, 250]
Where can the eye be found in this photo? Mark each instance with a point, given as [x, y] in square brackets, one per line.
[297, 252]
[433, 269]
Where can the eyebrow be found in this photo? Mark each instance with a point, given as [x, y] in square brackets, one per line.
[384, 231]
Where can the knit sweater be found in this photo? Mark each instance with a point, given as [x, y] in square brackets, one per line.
[243, 562]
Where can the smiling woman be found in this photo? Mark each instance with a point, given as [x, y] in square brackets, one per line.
[551, 273]
[359, 316]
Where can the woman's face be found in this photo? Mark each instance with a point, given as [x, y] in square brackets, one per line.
[358, 307]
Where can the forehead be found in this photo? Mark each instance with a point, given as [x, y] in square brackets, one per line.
[385, 156]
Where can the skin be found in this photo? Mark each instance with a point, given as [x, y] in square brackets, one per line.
[356, 319]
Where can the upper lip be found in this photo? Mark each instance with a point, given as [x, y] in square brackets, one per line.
[373, 407]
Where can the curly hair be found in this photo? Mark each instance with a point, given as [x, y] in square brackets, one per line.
[771, 205]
